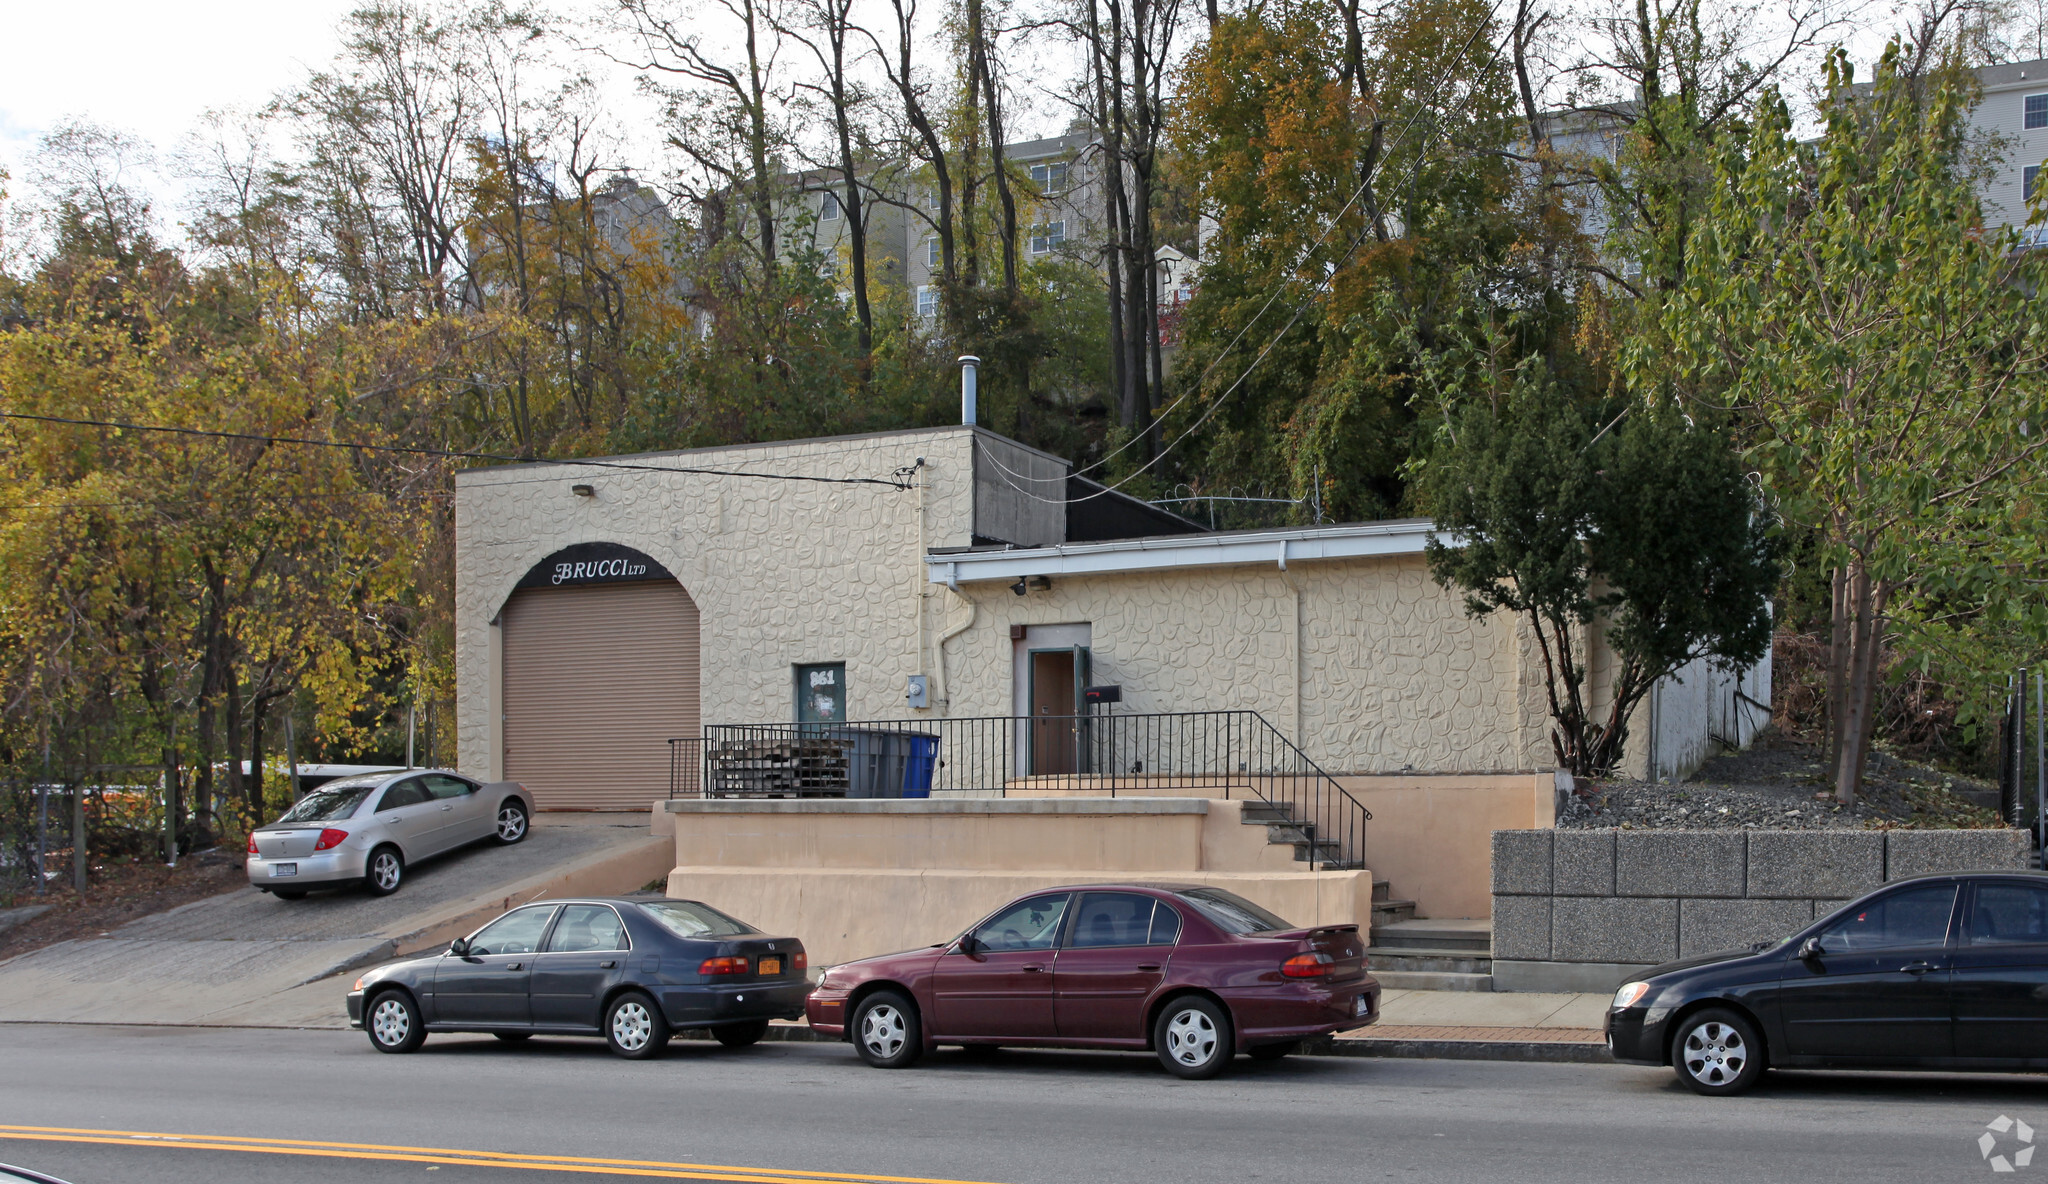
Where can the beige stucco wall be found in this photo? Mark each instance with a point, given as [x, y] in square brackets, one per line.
[782, 572]
[1431, 837]
[1365, 663]
[855, 878]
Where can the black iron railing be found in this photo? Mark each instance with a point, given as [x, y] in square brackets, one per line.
[686, 767]
[1221, 754]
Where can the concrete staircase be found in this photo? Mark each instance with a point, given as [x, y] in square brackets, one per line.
[1430, 955]
[1284, 829]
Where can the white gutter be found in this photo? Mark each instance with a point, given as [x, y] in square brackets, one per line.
[1168, 552]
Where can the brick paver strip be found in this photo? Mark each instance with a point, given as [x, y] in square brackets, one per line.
[1454, 1032]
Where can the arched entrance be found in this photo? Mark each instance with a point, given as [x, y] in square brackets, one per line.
[600, 670]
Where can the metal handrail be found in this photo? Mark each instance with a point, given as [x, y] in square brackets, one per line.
[1229, 754]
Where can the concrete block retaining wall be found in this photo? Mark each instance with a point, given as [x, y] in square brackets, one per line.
[1582, 910]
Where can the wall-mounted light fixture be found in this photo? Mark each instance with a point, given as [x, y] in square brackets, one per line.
[583, 490]
[1018, 587]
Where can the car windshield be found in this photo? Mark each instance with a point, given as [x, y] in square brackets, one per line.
[1232, 913]
[328, 803]
[687, 918]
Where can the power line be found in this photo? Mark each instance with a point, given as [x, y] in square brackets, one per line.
[450, 454]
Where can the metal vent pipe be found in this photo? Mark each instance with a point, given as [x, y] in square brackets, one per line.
[967, 387]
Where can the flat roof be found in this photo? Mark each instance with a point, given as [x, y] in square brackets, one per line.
[757, 446]
[1354, 540]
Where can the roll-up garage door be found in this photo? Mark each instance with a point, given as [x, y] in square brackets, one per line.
[597, 680]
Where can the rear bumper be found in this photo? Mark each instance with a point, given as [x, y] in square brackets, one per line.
[324, 870]
[706, 1006]
[1293, 1011]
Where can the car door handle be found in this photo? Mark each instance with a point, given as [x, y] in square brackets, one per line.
[514, 965]
[1148, 966]
[606, 965]
[445, 809]
[1917, 968]
[1032, 969]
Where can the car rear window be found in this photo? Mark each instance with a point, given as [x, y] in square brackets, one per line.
[1232, 913]
[687, 918]
[328, 803]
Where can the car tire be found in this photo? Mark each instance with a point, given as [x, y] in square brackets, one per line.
[289, 893]
[512, 823]
[1717, 1052]
[1193, 1038]
[634, 1027]
[384, 871]
[887, 1032]
[741, 1035]
[514, 1037]
[1273, 1052]
[393, 1021]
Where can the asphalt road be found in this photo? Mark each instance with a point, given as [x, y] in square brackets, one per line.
[773, 1113]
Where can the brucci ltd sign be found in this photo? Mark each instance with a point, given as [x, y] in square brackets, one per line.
[593, 563]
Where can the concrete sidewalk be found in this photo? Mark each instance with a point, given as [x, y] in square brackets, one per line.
[246, 959]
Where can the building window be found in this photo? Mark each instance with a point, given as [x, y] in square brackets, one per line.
[932, 256]
[927, 301]
[1051, 178]
[931, 200]
[828, 208]
[2037, 112]
[821, 693]
[1048, 237]
[2027, 176]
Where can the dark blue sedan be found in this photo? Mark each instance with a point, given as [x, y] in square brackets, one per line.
[628, 969]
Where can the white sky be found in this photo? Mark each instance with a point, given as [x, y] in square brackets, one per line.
[150, 69]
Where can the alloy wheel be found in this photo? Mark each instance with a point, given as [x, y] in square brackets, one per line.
[632, 1025]
[386, 870]
[883, 1031]
[390, 1022]
[511, 824]
[1191, 1037]
[1714, 1053]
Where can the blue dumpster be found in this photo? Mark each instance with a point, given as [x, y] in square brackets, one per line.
[920, 763]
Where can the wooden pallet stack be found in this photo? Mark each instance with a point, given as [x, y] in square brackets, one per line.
[784, 767]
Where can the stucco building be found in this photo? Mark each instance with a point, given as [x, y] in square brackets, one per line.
[604, 608]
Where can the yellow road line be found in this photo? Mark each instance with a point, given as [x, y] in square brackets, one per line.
[588, 1165]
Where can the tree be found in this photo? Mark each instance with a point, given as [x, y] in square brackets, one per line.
[1644, 532]
[1883, 350]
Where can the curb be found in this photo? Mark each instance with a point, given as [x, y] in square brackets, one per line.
[1536, 1051]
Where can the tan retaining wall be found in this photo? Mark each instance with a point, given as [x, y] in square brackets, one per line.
[855, 877]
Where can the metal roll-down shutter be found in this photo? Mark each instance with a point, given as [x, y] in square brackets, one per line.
[597, 679]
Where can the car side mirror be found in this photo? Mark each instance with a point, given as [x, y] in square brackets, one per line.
[1810, 951]
[970, 945]
[459, 947]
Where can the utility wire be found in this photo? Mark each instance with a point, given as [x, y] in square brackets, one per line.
[451, 454]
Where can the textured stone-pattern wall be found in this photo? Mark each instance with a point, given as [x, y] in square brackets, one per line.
[782, 572]
[1366, 663]
[1608, 896]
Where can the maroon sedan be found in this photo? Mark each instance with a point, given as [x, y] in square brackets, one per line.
[1195, 974]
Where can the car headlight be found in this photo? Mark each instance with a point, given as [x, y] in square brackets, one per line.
[1630, 994]
[360, 982]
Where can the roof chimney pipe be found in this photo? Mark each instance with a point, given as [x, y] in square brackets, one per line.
[967, 387]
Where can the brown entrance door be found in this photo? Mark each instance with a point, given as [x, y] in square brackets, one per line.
[1056, 680]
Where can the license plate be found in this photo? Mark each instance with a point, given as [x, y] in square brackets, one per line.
[1363, 1006]
[771, 966]
[281, 870]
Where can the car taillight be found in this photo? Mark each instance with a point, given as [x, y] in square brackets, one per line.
[803, 961]
[1306, 966]
[723, 966]
[252, 845]
[330, 838]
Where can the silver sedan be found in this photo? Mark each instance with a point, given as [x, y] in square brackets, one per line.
[367, 830]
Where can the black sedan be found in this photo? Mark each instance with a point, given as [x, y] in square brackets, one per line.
[631, 970]
[1939, 972]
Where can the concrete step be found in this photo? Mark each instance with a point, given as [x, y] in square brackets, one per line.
[1259, 813]
[1398, 958]
[1382, 890]
[1317, 851]
[1390, 912]
[1435, 934]
[1412, 980]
